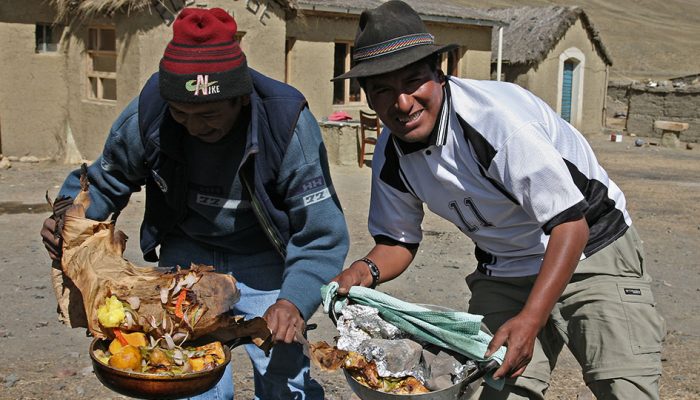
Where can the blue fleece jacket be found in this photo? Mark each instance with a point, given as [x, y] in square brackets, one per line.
[318, 241]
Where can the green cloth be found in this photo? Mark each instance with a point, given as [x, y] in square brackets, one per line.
[454, 330]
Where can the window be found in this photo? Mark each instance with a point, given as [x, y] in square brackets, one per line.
[449, 62]
[47, 37]
[347, 90]
[102, 63]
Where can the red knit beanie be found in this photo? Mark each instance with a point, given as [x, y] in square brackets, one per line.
[203, 62]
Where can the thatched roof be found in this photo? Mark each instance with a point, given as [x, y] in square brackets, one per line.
[430, 10]
[72, 10]
[75, 10]
[532, 32]
[435, 10]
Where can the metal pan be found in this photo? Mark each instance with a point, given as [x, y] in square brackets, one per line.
[462, 390]
[157, 386]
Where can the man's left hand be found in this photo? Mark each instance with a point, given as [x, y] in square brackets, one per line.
[284, 320]
[518, 335]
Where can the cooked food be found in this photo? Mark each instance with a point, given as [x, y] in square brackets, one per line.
[97, 288]
[111, 313]
[136, 339]
[128, 357]
[154, 359]
[365, 372]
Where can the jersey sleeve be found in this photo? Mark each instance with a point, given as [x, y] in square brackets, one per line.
[537, 175]
[394, 211]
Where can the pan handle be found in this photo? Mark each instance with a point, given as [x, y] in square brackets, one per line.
[239, 341]
[482, 369]
[331, 311]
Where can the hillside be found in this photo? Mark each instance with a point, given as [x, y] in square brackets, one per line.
[646, 38]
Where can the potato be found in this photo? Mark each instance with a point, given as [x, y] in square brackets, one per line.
[214, 349]
[158, 357]
[213, 356]
[129, 358]
[202, 363]
[136, 339]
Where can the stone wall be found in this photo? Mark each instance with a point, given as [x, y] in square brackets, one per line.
[645, 104]
[342, 141]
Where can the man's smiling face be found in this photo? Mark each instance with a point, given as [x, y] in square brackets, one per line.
[408, 100]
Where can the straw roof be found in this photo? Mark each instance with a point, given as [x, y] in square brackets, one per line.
[532, 32]
[76, 10]
[436, 10]
[72, 10]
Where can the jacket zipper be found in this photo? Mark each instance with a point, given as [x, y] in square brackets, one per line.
[267, 227]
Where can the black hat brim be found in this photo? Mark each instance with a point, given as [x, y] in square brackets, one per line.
[392, 62]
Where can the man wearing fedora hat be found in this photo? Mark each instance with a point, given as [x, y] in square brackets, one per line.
[236, 177]
[558, 260]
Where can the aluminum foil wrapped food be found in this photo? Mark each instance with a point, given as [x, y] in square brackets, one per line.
[98, 289]
[380, 356]
[358, 323]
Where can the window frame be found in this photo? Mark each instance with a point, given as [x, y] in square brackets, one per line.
[50, 35]
[90, 73]
[346, 82]
[445, 61]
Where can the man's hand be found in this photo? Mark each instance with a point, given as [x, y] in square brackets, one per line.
[284, 320]
[357, 274]
[391, 260]
[518, 335]
[51, 242]
[49, 234]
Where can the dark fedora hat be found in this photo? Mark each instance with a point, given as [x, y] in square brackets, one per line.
[389, 38]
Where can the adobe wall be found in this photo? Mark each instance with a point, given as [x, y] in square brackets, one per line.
[34, 91]
[544, 79]
[648, 104]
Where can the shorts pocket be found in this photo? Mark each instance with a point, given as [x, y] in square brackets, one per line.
[646, 327]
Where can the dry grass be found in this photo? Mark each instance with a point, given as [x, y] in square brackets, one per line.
[645, 39]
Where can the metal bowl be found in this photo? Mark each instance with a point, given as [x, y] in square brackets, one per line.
[462, 390]
[155, 386]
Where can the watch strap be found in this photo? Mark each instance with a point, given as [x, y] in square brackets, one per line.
[373, 270]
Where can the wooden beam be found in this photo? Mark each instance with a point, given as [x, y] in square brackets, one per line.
[671, 126]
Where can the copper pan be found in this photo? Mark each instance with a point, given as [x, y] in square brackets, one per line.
[155, 386]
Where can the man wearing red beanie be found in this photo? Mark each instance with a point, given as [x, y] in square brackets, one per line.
[236, 177]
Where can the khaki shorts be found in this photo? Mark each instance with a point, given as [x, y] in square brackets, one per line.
[606, 316]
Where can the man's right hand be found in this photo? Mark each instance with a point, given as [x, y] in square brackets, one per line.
[391, 260]
[51, 242]
[357, 274]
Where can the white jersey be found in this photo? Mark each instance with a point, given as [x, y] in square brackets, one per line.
[505, 169]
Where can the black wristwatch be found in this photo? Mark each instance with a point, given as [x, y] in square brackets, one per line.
[373, 270]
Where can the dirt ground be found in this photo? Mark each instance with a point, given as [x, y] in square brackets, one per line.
[41, 359]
